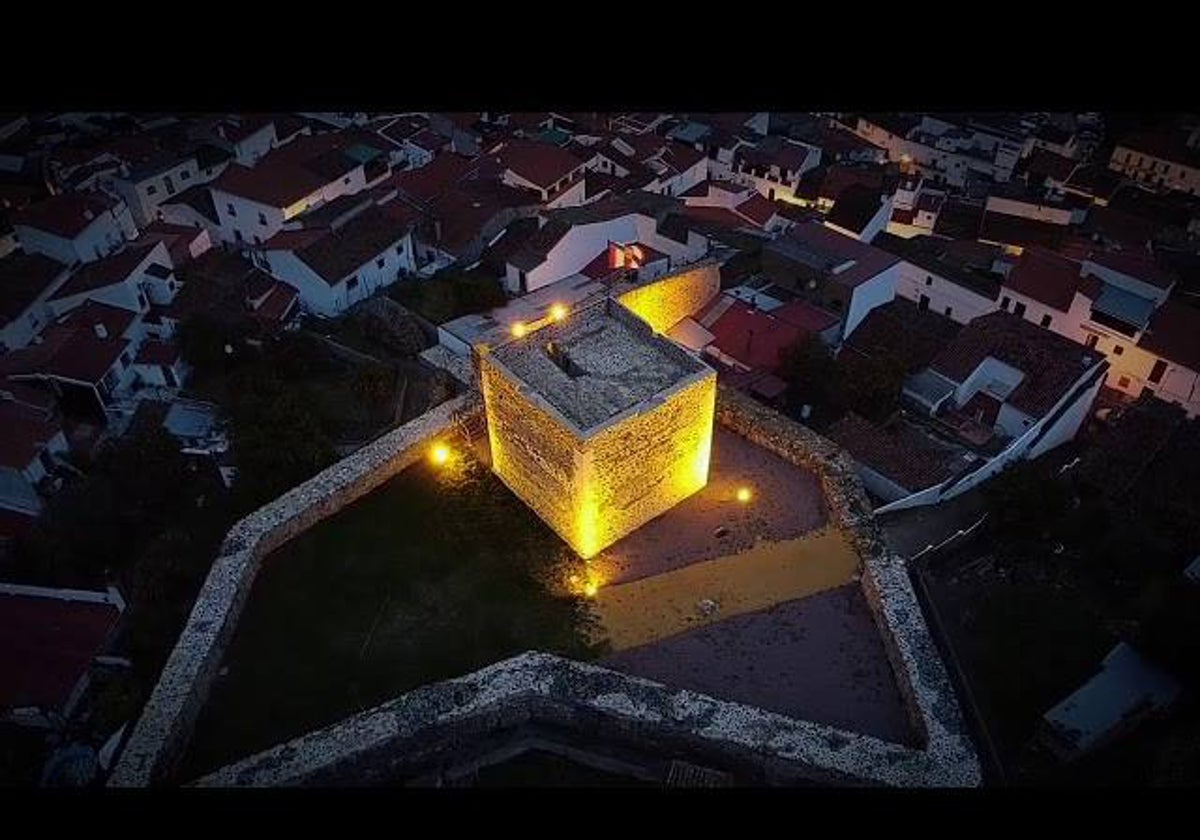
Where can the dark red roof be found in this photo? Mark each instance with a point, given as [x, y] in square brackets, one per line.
[802, 314]
[107, 271]
[897, 452]
[66, 215]
[757, 208]
[155, 352]
[539, 163]
[294, 240]
[26, 432]
[718, 216]
[49, 644]
[838, 178]
[93, 312]
[753, 337]
[278, 304]
[70, 353]
[431, 180]
[272, 184]
[1046, 277]
[1174, 334]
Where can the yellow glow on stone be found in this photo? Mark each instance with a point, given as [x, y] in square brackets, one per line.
[518, 330]
[558, 312]
[744, 495]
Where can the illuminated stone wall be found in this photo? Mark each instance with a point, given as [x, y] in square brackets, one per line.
[665, 302]
[533, 450]
[592, 491]
[646, 464]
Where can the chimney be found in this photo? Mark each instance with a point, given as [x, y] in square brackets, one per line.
[101, 330]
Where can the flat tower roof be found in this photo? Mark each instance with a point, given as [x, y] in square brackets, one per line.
[601, 361]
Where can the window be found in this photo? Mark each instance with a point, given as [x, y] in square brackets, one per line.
[949, 311]
[1046, 321]
[125, 359]
[1019, 309]
[923, 303]
[229, 209]
[262, 218]
[1156, 373]
[1118, 349]
[928, 280]
[184, 175]
[237, 234]
[1123, 382]
[1004, 301]
[151, 189]
[1091, 341]
[379, 263]
[346, 180]
[399, 250]
[352, 283]
[257, 241]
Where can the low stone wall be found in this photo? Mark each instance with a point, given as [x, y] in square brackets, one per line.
[920, 673]
[424, 728]
[396, 737]
[167, 720]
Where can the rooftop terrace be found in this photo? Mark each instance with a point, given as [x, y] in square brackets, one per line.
[597, 363]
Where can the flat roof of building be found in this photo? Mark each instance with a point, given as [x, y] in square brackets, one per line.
[600, 361]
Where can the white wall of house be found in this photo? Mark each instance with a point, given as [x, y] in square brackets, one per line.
[991, 376]
[256, 222]
[250, 150]
[680, 182]
[107, 232]
[573, 196]
[187, 216]
[1028, 210]
[582, 243]
[945, 298]
[876, 291]
[322, 298]
[144, 196]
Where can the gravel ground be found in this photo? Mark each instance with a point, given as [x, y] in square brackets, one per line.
[786, 502]
[818, 658]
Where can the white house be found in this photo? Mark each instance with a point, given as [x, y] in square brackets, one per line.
[839, 272]
[252, 205]
[74, 227]
[1004, 379]
[1118, 304]
[333, 268]
[552, 172]
[774, 166]
[956, 278]
[131, 279]
[565, 245]
[147, 185]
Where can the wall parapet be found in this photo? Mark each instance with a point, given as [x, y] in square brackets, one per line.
[161, 733]
[922, 677]
[416, 730]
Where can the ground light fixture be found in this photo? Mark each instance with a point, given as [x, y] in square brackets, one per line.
[558, 312]
[518, 330]
[744, 495]
[439, 454]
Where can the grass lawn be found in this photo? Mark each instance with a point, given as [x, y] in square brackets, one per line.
[437, 573]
